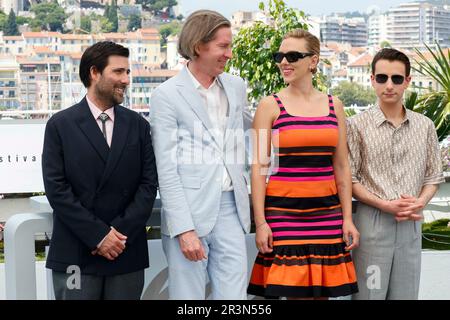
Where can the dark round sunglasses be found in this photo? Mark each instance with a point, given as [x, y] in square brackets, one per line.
[383, 78]
[291, 56]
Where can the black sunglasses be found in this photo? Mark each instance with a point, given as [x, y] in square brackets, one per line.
[291, 56]
[383, 78]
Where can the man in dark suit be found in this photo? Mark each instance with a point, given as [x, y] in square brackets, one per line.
[100, 179]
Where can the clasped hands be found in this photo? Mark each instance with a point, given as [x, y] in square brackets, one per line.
[405, 208]
[112, 245]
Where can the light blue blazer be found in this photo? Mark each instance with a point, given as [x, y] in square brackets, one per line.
[190, 158]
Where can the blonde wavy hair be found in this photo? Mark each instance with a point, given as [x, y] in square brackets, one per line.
[312, 42]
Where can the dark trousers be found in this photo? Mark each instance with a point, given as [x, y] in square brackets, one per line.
[91, 287]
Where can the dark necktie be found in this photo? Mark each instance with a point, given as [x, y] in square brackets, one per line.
[103, 118]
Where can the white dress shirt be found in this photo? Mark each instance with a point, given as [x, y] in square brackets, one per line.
[109, 124]
[216, 103]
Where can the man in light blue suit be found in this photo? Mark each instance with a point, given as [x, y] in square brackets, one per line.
[197, 123]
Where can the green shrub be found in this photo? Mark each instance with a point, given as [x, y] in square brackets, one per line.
[436, 235]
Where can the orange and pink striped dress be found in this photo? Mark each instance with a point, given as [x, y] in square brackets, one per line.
[303, 210]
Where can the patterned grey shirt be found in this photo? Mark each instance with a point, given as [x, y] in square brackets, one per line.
[390, 161]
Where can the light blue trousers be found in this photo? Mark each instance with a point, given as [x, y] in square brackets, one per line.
[225, 267]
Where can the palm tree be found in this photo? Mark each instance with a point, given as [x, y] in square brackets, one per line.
[410, 100]
[436, 104]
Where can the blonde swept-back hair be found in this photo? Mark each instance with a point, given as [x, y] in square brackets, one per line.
[200, 27]
[312, 42]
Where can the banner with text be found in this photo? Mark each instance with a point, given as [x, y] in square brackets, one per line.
[20, 156]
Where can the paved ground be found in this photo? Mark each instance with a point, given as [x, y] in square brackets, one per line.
[434, 284]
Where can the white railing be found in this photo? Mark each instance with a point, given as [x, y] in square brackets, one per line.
[20, 274]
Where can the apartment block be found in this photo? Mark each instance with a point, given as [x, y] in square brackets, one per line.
[413, 24]
[377, 29]
[343, 30]
[9, 81]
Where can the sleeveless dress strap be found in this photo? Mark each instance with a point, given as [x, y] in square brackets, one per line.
[331, 104]
[280, 104]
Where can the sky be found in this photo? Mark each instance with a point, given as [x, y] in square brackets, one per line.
[312, 7]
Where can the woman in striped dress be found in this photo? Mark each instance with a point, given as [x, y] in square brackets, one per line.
[304, 227]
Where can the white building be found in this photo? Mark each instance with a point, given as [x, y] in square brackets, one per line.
[40, 83]
[14, 45]
[173, 59]
[15, 5]
[143, 84]
[413, 24]
[358, 71]
[74, 42]
[42, 38]
[9, 82]
[241, 19]
[314, 26]
[343, 30]
[377, 29]
[145, 46]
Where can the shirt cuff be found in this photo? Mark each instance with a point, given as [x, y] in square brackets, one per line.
[436, 179]
[100, 243]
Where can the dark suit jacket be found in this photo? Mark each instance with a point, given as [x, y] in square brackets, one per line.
[91, 188]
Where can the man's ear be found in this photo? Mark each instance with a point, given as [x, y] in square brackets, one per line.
[408, 80]
[197, 49]
[372, 79]
[93, 73]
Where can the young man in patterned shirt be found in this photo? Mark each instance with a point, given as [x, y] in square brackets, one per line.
[396, 169]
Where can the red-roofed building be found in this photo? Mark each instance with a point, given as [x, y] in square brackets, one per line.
[144, 45]
[74, 42]
[40, 83]
[42, 38]
[358, 70]
[12, 45]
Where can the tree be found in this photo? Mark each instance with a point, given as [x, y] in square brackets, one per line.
[3, 19]
[134, 22]
[48, 16]
[253, 47]
[85, 24]
[105, 25]
[106, 12]
[168, 29]
[435, 104]
[11, 28]
[111, 15]
[22, 20]
[113, 18]
[157, 5]
[54, 21]
[352, 93]
[385, 44]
